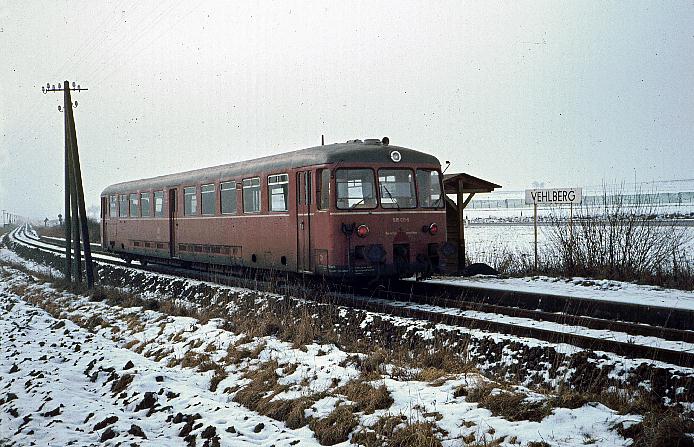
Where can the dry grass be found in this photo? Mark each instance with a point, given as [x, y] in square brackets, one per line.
[93, 322]
[514, 407]
[435, 376]
[371, 366]
[192, 359]
[291, 411]
[236, 355]
[366, 397]
[262, 388]
[509, 405]
[219, 375]
[304, 331]
[395, 431]
[626, 401]
[259, 396]
[335, 427]
[661, 429]
[133, 323]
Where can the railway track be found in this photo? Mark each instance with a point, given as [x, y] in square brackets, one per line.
[487, 311]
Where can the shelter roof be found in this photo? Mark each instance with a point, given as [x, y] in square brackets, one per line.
[470, 183]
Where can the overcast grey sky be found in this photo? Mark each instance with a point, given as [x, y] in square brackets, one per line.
[565, 93]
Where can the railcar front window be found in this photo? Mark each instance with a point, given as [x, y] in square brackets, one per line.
[397, 188]
[251, 195]
[190, 201]
[228, 193]
[278, 185]
[429, 184]
[208, 201]
[355, 188]
[158, 203]
[113, 206]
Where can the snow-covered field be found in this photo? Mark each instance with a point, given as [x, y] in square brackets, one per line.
[487, 243]
[65, 383]
[79, 372]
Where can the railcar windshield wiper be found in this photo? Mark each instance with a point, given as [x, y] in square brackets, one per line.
[397, 205]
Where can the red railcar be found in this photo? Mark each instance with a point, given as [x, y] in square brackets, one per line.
[352, 209]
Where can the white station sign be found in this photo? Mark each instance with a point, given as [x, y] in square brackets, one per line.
[560, 196]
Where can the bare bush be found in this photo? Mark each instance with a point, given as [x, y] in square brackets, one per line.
[620, 238]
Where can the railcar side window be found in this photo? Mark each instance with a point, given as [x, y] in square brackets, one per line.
[134, 202]
[324, 189]
[123, 205]
[278, 185]
[113, 206]
[208, 199]
[190, 201]
[144, 203]
[429, 185]
[251, 195]
[397, 188]
[228, 197]
[355, 188]
[158, 203]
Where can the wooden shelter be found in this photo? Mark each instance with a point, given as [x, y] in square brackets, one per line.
[459, 185]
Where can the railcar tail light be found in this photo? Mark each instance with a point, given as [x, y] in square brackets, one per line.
[362, 231]
[433, 229]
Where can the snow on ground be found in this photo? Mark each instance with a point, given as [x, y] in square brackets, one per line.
[57, 389]
[54, 374]
[10, 257]
[603, 290]
[27, 236]
[490, 242]
[604, 334]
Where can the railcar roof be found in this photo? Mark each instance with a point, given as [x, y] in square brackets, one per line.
[350, 152]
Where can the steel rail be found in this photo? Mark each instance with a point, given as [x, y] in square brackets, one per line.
[401, 309]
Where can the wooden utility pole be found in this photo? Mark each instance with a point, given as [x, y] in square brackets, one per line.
[77, 176]
[74, 193]
[68, 220]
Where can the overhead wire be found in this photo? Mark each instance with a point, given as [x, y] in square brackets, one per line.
[127, 41]
[132, 57]
[119, 33]
[80, 57]
[82, 52]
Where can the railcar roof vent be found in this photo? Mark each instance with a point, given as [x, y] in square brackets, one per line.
[372, 141]
[354, 141]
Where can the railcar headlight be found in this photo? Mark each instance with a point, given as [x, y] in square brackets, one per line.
[433, 229]
[362, 230]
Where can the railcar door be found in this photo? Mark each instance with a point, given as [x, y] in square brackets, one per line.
[172, 222]
[304, 199]
[104, 221]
